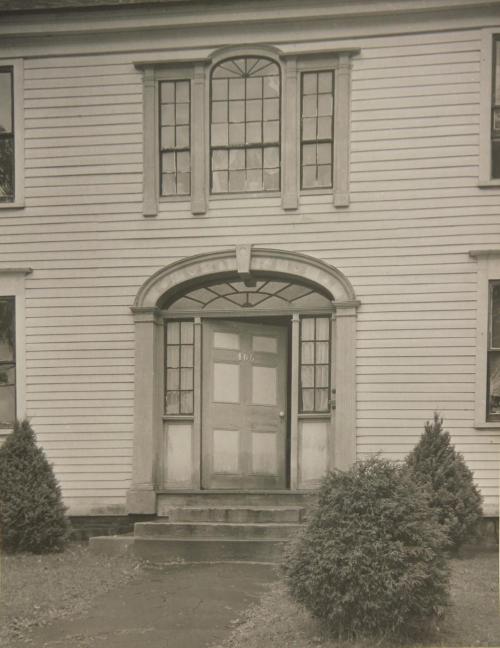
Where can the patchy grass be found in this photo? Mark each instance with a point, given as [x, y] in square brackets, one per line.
[473, 618]
[36, 589]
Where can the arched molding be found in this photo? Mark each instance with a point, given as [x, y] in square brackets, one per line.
[182, 274]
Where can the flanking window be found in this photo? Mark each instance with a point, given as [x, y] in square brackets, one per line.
[316, 132]
[7, 362]
[314, 377]
[175, 138]
[245, 125]
[493, 380]
[179, 359]
[7, 146]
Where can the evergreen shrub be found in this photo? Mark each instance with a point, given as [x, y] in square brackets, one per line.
[370, 561]
[436, 465]
[32, 515]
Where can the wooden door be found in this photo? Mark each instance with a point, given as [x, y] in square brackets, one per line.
[244, 405]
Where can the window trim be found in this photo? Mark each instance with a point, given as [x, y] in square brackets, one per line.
[198, 71]
[17, 66]
[12, 284]
[488, 271]
[487, 74]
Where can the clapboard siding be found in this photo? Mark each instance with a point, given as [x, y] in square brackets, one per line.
[415, 212]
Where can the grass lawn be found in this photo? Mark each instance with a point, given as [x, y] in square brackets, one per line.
[36, 589]
[473, 618]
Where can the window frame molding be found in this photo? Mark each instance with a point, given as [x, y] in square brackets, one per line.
[17, 66]
[12, 284]
[488, 270]
[486, 98]
[198, 71]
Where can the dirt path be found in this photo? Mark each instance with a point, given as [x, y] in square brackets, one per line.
[177, 606]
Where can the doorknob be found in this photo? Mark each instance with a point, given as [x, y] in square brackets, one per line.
[282, 414]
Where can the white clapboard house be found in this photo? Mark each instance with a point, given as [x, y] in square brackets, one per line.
[242, 243]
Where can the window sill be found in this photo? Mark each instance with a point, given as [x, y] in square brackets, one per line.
[487, 425]
[12, 205]
[488, 183]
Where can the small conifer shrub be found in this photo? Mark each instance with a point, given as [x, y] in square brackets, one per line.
[32, 515]
[370, 561]
[456, 499]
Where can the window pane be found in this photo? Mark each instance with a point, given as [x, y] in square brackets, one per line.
[495, 316]
[172, 356]
[321, 404]
[494, 383]
[6, 168]
[307, 376]
[187, 332]
[7, 330]
[307, 328]
[7, 405]
[308, 352]
[186, 402]
[6, 125]
[172, 402]
[307, 400]
[173, 331]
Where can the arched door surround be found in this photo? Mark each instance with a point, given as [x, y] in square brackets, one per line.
[248, 265]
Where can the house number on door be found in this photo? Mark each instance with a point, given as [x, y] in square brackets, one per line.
[245, 356]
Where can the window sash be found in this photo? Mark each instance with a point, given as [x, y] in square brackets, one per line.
[7, 140]
[493, 353]
[314, 365]
[7, 362]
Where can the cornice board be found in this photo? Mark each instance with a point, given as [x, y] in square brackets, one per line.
[176, 16]
[292, 37]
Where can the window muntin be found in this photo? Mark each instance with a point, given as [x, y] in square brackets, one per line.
[179, 371]
[175, 138]
[316, 129]
[7, 362]
[493, 379]
[6, 134]
[314, 375]
[245, 125]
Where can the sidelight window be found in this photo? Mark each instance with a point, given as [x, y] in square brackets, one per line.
[179, 358]
[314, 374]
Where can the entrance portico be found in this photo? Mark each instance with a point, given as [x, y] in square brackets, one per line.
[245, 375]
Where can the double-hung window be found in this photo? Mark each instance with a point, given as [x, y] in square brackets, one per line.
[254, 122]
[7, 170]
[11, 134]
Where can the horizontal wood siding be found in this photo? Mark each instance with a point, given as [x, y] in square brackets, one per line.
[403, 242]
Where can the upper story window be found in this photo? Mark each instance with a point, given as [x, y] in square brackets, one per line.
[7, 169]
[245, 125]
[175, 138]
[257, 121]
[495, 113]
[316, 132]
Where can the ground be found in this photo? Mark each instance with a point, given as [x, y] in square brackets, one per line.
[81, 600]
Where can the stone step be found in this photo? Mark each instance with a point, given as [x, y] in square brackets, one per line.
[215, 530]
[237, 514]
[160, 550]
[229, 499]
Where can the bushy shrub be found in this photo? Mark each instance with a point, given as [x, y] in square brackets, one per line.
[456, 499]
[370, 561]
[32, 515]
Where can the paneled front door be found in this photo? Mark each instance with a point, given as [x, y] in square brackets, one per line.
[244, 405]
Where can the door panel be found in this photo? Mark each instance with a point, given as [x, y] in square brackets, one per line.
[244, 405]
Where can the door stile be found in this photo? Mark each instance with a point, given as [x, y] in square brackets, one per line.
[294, 403]
[196, 446]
